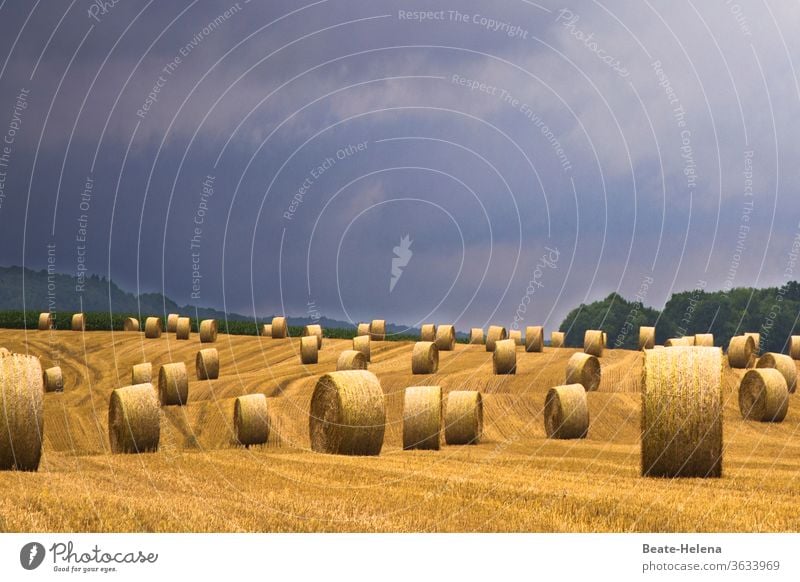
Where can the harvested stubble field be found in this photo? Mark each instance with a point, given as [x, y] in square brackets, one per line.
[514, 480]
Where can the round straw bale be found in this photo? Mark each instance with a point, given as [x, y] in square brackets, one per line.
[763, 395]
[251, 419]
[206, 364]
[463, 417]
[142, 373]
[309, 349]
[351, 360]
[79, 322]
[504, 358]
[756, 342]
[130, 324]
[495, 334]
[566, 412]
[516, 336]
[134, 419]
[53, 379]
[184, 329]
[794, 347]
[557, 339]
[593, 342]
[424, 358]
[377, 330]
[173, 384]
[647, 337]
[21, 416]
[152, 327]
[741, 351]
[584, 369]
[45, 321]
[315, 330]
[279, 328]
[208, 331]
[682, 412]
[784, 364]
[685, 341]
[605, 340]
[445, 338]
[422, 417]
[362, 329]
[476, 335]
[361, 343]
[172, 322]
[266, 330]
[348, 414]
[428, 333]
[705, 340]
[534, 338]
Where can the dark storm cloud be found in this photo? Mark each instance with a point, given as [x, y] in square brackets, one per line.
[633, 141]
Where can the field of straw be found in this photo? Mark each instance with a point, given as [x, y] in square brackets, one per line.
[514, 480]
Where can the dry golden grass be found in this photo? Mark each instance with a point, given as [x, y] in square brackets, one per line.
[514, 480]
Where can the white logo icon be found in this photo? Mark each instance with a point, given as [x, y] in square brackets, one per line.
[402, 256]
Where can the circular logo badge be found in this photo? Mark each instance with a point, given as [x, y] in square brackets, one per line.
[31, 555]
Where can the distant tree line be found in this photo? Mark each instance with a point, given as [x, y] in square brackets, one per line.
[773, 312]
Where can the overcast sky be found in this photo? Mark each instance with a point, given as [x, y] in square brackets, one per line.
[535, 154]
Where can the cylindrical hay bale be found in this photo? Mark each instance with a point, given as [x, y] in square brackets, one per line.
[130, 324]
[142, 373]
[682, 412]
[605, 340]
[647, 337]
[476, 335]
[424, 358]
[251, 420]
[566, 412]
[593, 342]
[705, 340]
[266, 330]
[756, 342]
[173, 384]
[361, 343]
[741, 351]
[763, 396]
[172, 322]
[495, 334]
[79, 322]
[445, 338]
[534, 338]
[516, 336]
[309, 349]
[152, 327]
[784, 364]
[45, 321]
[428, 333]
[557, 339]
[351, 360]
[206, 364]
[504, 358]
[794, 347]
[53, 379]
[280, 329]
[184, 329]
[134, 419]
[674, 342]
[377, 330]
[208, 331]
[348, 414]
[584, 369]
[363, 329]
[463, 417]
[21, 415]
[422, 417]
[316, 331]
